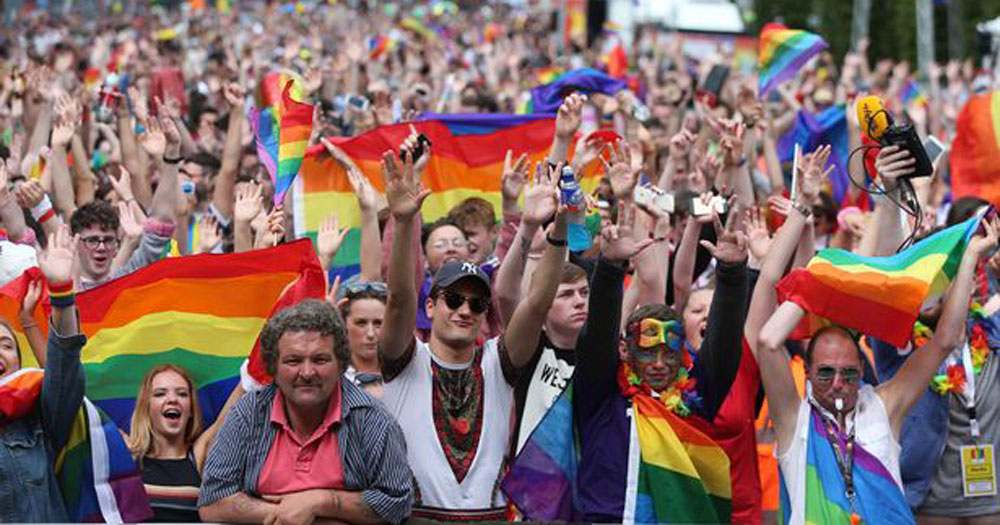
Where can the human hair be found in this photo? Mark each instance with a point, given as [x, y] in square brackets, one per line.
[964, 208]
[831, 329]
[17, 346]
[658, 311]
[310, 315]
[207, 161]
[95, 213]
[140, 437]
[474, 211]
[428, 229]
[571, 272]
[350, 297]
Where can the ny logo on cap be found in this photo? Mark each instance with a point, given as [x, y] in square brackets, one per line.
[468, 267]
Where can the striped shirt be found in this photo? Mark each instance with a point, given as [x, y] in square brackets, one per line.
[372, 451]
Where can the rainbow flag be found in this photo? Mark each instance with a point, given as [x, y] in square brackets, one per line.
[94, 469]
[782, 52]
[681, 475]
[202, 312]
[467, 161]
[878, 499]
[11, 295]
[879, 296]
[975, 171]
[282, 135]
[548, 97]
[913, 94]
[378, 45]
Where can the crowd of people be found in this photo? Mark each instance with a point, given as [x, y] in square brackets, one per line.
[414, 389]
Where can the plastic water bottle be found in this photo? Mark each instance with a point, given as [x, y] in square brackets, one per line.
[571, 195]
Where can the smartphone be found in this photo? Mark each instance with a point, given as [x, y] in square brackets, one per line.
[652, 196]
[358, 102]
[700, 209]
[711, 89]
[422, 144]
[933, 147]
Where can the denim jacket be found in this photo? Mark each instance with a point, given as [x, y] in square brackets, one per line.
[29, 491]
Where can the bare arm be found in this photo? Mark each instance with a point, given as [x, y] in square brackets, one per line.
[85, 181]
[205, 439]
[765, 297]
[237, 508]
[684, 261]
[222, 196]
[567, 122]
[775, 373]
[902, 391]
[62, 183]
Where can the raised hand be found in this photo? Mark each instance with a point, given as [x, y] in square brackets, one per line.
[985, 241]
[813, 174]
[170, 131]
[588, 151]
[62, 132]
[210, 235]
[541, 198]
[5, 194]
[140, 104]
[329, 237]
[403, 190]
[29, 194]
[894, 162]
[731, 142]
[58, 260]
[620, 172]
[312, 80]
[514, 176]
[131, 225]
[617, 241]
[29, 302]
[730, 246]
[67, 108]
[153, 140]
[410, 144]
[569, 115]
[749, 106]
[275, 230]
[758, 238]
[680, 145]
[123, 184]
[234, 94]
[248, 204]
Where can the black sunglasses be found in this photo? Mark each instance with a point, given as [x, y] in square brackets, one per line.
[454, 301]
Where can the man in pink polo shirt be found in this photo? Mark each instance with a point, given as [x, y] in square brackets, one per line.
[310, 445]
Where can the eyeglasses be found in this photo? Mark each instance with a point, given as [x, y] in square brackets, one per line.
[653, 332]
[455, 301]
[93, 241]
[442, 244]
[849, 375]
[361, 287]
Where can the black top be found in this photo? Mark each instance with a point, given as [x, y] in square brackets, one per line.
[172, 486]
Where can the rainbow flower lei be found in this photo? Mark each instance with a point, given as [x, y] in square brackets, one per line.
[953, 380]
[680, 398]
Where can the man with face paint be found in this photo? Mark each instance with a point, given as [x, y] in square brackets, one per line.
[864, 421]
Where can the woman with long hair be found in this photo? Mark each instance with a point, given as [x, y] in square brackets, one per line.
[167, 440]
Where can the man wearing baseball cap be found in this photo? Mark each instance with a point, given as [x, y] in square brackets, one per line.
[453, 395]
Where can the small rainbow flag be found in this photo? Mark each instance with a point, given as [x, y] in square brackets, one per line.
[913, 94]
[681, 475]
[95, 472]
[11, 295]
[879, 296]
[201, 312]
[975, 171]
[282, 136]
[467, 161]
[877, 499]
[782, 52]
[378, 45]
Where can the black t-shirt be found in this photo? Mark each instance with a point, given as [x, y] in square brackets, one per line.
[539, 384]
[172, 485]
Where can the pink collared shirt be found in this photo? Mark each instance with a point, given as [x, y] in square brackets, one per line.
[295, 465]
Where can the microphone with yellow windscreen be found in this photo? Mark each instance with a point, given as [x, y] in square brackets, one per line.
[874, 119]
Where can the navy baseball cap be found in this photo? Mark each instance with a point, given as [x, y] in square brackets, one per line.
[453, 272]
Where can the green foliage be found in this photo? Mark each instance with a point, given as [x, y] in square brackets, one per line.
[893, 24]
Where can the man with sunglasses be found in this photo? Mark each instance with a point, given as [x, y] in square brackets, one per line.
[453, 396]
[860, 421]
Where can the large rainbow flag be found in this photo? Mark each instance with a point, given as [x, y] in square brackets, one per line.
[879, 296]
[94, 469]
[975, 171]
[878, 499]
[681, 475]
[782, 52]
[202, 312]
[467, 161]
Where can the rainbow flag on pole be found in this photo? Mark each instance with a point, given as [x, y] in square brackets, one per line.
[281, 126]
[879, 296]
[782, 52]
[975, 171]
[878, 499]
[681, 475]
[467, 161]
[201, 312]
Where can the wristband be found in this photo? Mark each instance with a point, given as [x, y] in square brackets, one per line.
[173, 160]
[43, 210]
[62, 295]
[561, 243]
[803, 209]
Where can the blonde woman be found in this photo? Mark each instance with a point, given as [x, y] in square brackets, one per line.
[167, 440]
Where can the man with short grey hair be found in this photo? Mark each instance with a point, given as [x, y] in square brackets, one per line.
[309, 446]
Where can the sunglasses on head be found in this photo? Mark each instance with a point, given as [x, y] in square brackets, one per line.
[849, 375]
[454, 301]
[360, 287]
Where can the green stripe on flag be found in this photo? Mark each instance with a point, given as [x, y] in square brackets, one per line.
[121, 375]
[679, 498]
